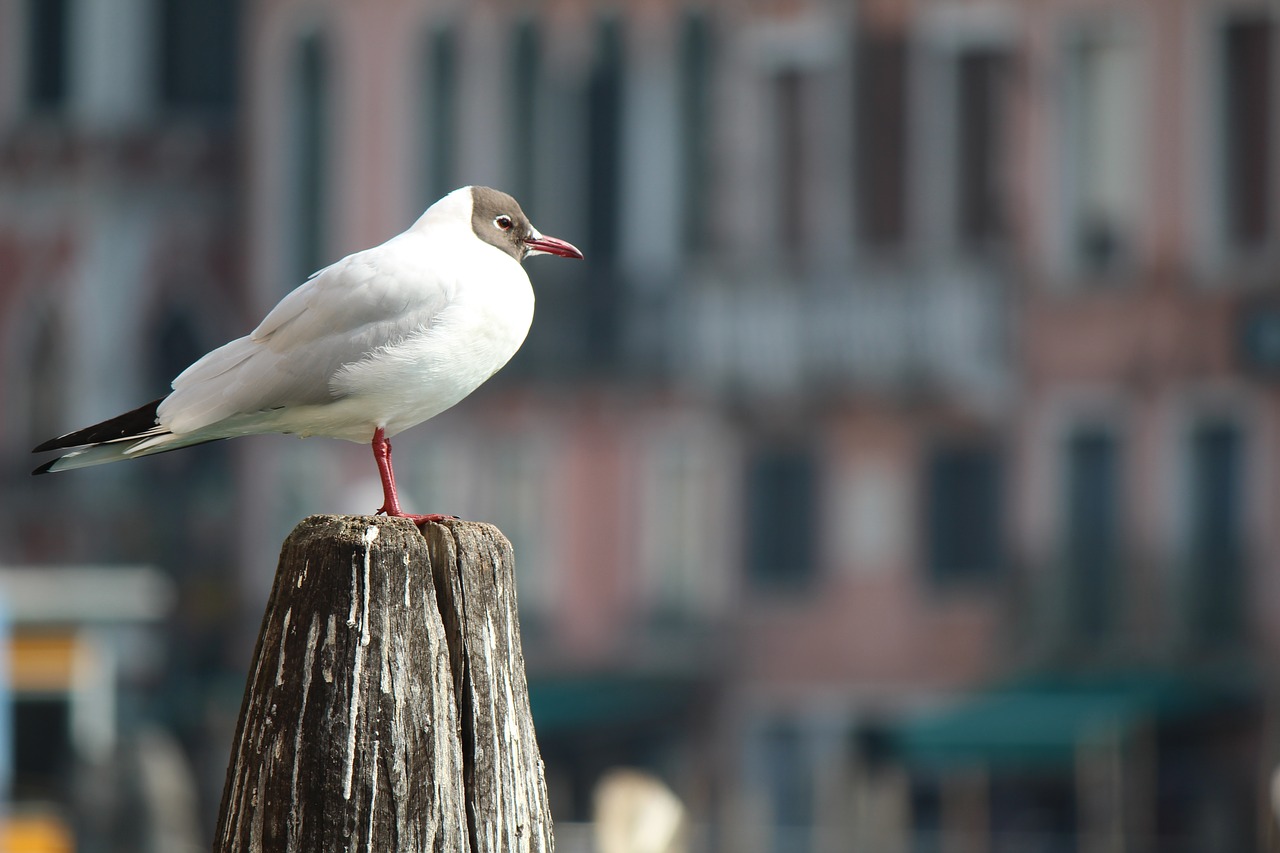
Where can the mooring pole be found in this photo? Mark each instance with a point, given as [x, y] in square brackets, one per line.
[387, 707]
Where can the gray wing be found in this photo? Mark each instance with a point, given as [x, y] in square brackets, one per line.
[362, 303]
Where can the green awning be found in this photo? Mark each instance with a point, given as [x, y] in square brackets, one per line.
[1042, 720]
[606, 701]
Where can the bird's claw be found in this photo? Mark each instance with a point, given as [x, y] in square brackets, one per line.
[433, 518]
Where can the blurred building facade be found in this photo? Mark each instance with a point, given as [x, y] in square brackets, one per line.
[897, 473]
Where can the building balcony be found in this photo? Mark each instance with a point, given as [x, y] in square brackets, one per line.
[764, 333]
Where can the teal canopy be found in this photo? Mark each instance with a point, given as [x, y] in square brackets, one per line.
[606, 701]
[1042, 720]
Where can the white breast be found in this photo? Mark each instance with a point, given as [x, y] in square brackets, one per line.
[408, 381]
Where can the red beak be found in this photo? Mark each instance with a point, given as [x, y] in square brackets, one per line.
[540, 245]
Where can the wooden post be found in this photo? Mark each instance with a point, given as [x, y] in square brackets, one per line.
[387, 707]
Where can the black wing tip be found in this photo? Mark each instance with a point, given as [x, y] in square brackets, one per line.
[129, 424]
[46, 468]
[51, 444]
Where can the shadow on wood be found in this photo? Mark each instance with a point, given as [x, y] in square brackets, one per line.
[387, 707]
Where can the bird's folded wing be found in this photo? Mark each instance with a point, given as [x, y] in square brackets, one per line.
[339, 316]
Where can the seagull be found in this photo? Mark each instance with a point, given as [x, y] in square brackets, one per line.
[367, 347]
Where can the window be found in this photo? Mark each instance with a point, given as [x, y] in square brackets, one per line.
[789, 121]
[789, 779]
[962, 513]
[48, 54]
[1091, 531]
[511, 483]
[1246, 99]
[47, 357]
[601, 298]
[197, 54]
[441, 115]
[176, 343]
[696, 108]
[981, 82]
[682, 495]
[43, 757]
[1104, 150]
[526, 71]
[781, 516]
[177, 340]
[880, 137]
[604, 144]
[1216, 549]
[310, 156]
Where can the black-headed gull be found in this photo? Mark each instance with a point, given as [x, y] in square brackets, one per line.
[376, 343]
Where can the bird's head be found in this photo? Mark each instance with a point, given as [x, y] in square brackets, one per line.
[497, 219]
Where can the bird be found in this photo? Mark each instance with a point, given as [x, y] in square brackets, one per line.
[367, 347]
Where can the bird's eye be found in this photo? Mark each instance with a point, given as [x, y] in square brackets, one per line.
[503, 222]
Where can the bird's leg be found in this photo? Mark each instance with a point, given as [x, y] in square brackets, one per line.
[382, 455]
[390, 500]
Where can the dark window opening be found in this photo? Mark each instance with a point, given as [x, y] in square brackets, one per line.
[1099, 244]
[42, 754]
[177, 344]
[604, 144]
[48, 55]
[781, 517]
[1247, 99]
[602, 297]
[1023, 803]
[789, 87]
[962, 513]
[980, 212]
[1215, 527]
[880, 134]
[526, 71]
[48, 359]
[1092, 531]
[197, 54]
[311, 154]
[441, 129]
[696, 108]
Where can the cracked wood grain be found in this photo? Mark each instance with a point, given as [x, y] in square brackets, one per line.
[502, 768]
[387, 706]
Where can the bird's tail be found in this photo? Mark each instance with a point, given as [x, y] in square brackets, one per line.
[128, 436]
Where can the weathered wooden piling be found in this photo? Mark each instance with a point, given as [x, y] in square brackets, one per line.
[387, 707]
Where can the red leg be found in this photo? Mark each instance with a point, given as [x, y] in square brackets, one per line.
[390, 500]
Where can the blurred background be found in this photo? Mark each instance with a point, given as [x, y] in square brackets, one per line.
[899, 472]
